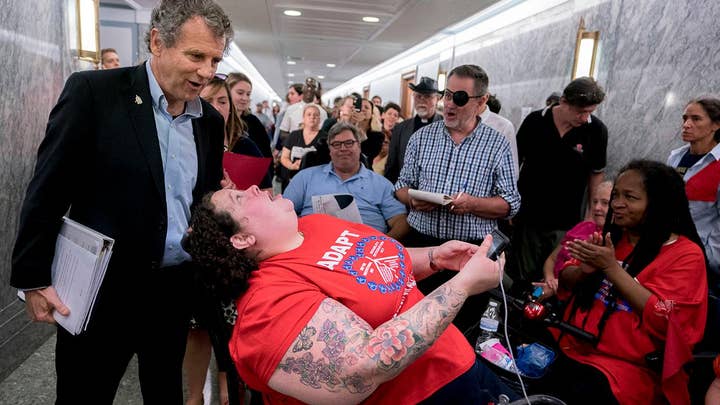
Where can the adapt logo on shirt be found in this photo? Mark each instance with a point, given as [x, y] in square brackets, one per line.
[375, 261]
[338, 250]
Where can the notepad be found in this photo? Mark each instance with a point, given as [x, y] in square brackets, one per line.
[342, 206]
[78, 268]
[435, 198]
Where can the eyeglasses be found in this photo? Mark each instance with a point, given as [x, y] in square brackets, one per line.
[348, 144]
[459, 98]
[221, 76]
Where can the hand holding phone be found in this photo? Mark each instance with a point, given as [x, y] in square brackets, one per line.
[499, 243]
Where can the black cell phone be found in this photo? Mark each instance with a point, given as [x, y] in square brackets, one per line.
[499, 243]
[358, 104]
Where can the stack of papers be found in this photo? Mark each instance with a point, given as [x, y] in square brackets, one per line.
[78, 268]
[342, 206]
[298, 152]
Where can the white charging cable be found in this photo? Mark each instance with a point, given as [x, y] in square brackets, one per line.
[507, 341]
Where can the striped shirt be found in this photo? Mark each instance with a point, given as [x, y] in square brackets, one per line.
[481, 166]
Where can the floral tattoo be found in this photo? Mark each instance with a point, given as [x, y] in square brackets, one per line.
[346, 340]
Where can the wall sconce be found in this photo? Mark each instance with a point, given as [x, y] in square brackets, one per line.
[586, 46]
[88, 30]
[441, 80]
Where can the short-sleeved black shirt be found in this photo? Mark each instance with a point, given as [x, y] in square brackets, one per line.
[555, 171]
[296, 138]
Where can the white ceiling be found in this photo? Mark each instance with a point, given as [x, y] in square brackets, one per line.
[331, 31]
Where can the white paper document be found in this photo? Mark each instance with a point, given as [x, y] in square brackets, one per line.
[298, 152]
[78, 268]
[435, 198]
[342, 206]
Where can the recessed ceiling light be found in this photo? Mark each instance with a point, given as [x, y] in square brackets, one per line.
[330, 65]
[321, 77]
[371, 19]
[291, 74]
[291, 62]
[292, 13]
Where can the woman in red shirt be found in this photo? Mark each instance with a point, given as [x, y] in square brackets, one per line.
[329, 311]
[641, 289]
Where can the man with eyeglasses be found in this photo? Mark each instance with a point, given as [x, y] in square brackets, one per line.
[562, 152]
[464, 158]
[346, 175]
[425, 99]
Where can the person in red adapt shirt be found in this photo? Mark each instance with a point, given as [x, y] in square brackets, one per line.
[640, 289]
[332, 314]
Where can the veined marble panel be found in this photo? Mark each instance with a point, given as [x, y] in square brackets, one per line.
[34, 63]
[654, 56]
[666, 53]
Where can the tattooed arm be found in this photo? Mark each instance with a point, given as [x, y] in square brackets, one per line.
[339, 358]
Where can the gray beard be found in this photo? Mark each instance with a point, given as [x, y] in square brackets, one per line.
[424, 116]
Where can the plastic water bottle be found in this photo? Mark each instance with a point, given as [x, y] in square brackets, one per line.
[488, 324]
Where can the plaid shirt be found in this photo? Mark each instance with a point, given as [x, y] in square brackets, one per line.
[481, 166]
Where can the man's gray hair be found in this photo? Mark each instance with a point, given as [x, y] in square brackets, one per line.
[170, 15]
[343, 126]
[476, 73]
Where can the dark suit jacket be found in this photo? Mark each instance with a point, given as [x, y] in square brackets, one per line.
[101, 159]
[401, 134]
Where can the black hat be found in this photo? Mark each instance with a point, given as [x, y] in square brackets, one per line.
[426, 86]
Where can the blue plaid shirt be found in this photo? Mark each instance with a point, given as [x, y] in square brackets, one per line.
[481, 166]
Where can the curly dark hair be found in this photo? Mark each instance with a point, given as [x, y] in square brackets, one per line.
[667, 212]
[222, 268]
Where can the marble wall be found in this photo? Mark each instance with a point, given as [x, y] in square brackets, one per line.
[34, 64]
[654, 56]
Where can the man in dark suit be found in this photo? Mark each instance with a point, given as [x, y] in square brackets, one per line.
[425, 98]
[127, 152]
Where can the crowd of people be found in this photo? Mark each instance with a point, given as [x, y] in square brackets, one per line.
[304, 307]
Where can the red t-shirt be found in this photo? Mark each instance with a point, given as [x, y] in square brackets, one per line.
[362, 269]
[672, 321]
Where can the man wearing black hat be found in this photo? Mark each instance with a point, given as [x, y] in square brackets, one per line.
[425, 96]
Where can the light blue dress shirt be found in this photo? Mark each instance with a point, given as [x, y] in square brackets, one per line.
[705, 214]
[373, 193]
[180, 167]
